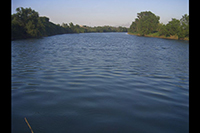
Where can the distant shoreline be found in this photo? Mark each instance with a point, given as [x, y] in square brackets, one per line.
[164, 37]
[31, 25]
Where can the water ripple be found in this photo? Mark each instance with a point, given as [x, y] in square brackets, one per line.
[110, 82]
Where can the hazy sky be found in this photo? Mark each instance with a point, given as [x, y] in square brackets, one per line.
[103, 12]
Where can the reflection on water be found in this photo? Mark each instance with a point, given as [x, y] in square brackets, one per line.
[100, 82]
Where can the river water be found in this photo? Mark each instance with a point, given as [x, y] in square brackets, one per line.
[100, 83]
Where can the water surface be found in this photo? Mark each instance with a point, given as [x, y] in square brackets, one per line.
[100, 82]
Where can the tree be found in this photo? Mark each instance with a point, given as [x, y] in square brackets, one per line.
[24, 15]
[185, 25]
[147, 22]
[27, 20]
[35, 28]
[133, 27]
[18, 31]
[26, 23]
[173, 26]
[71, 25]
[162, 30]
[67, 28]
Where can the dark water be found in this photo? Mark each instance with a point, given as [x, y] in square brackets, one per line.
[100, 82]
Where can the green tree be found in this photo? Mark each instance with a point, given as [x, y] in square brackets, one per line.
[162, 30]
[147, 22]
[185, 25]
[67, 28]
[77, 28]
[27, 19]
[173, 26]
[133, 27]
[18, 31]
[65, 25]
[72, 28]
[26, 23]
[35, 28]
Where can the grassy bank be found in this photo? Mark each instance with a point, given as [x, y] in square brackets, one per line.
[175, 37]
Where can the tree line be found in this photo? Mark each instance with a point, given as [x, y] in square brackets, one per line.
[147, 24]
[26, 23]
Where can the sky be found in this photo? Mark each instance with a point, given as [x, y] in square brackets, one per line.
[103, 12]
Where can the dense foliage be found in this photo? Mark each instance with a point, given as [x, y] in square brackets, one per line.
[148, 23]
[26, 23]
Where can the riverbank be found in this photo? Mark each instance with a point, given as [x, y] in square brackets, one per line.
[155, 35]
[37, 27]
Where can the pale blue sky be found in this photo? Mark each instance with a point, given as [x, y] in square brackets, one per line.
[103, 12]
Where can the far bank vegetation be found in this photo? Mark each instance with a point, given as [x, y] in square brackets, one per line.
[147, 24]
[27, 23]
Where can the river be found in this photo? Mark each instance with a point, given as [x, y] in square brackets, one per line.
[100, 83]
